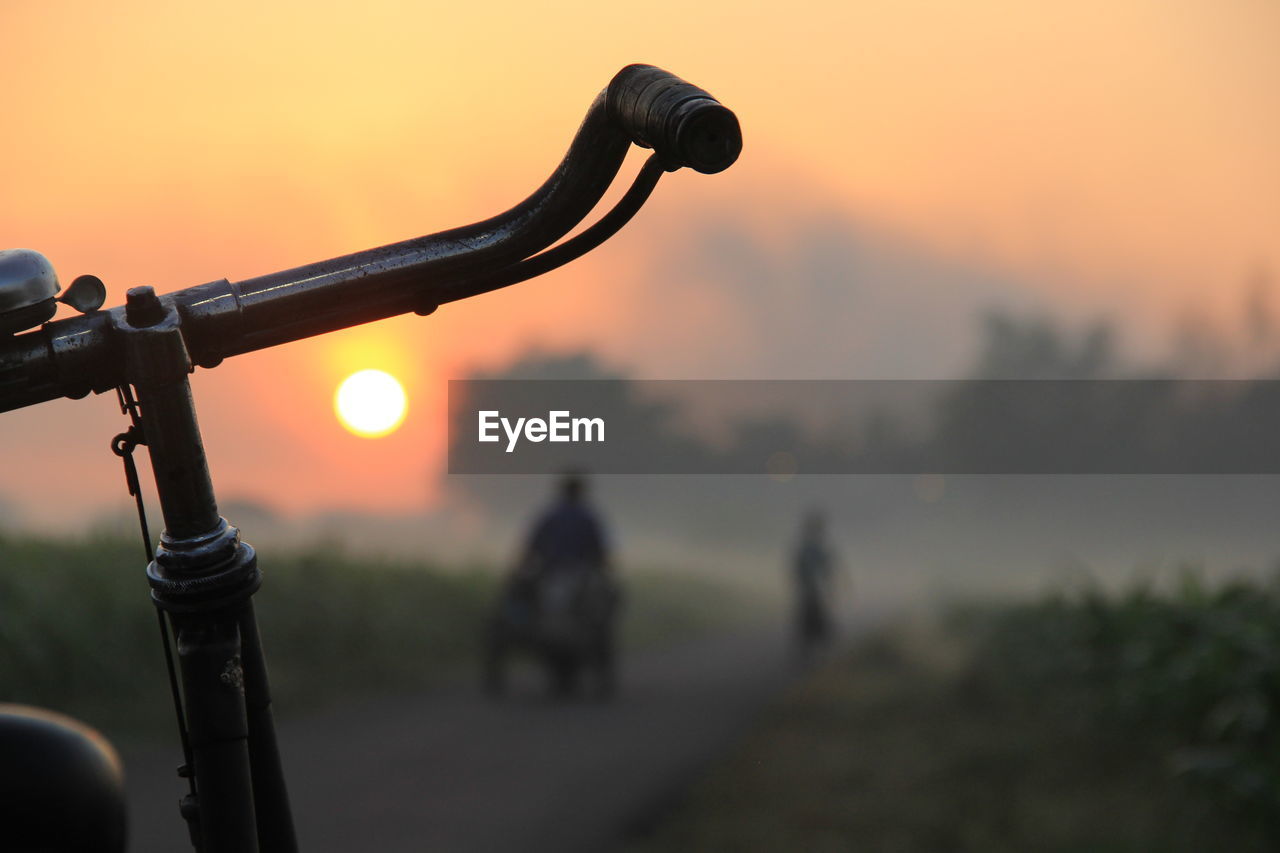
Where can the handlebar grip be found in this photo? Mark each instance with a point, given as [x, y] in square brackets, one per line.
[682, 123]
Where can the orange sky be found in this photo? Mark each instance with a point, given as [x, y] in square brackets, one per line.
[1117, 156]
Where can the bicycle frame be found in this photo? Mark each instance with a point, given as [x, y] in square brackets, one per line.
[204, 575]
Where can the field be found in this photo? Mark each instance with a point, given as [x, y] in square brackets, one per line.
[1146, 720]
[78, 632]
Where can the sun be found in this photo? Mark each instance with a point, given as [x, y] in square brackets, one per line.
[370, 403]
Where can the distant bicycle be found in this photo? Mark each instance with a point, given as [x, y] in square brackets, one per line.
[565, 621]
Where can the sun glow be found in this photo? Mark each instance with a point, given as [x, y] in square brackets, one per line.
[370, 403]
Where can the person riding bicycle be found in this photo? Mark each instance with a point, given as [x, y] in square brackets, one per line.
[813, 566]
[561, 598]
[568, 537]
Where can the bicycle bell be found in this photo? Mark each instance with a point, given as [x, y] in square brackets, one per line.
[28, 288]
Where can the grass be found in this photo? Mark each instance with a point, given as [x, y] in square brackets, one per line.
[78, 633]
[1082, 722]
[665, 605]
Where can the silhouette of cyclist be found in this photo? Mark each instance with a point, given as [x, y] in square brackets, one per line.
[562, 597]
[568, 537]
[813, 566]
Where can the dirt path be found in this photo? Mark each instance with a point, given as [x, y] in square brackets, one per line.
[451, 771]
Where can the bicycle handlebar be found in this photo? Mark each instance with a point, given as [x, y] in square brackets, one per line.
[682, 123]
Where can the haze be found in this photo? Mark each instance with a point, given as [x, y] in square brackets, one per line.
[909, 164]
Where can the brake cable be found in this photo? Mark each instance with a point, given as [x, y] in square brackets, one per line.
[126, 442]
[575, 247]
[123, 446]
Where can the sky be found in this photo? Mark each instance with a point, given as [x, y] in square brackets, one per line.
[905, 164]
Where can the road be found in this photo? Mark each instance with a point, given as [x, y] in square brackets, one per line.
[449, 770]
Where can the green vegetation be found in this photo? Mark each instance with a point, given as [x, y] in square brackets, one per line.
[78, 634]
[77, 631]
[1194, 672]
[1140, 721]
[665, 605]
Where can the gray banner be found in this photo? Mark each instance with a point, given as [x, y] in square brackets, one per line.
[788, 428]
